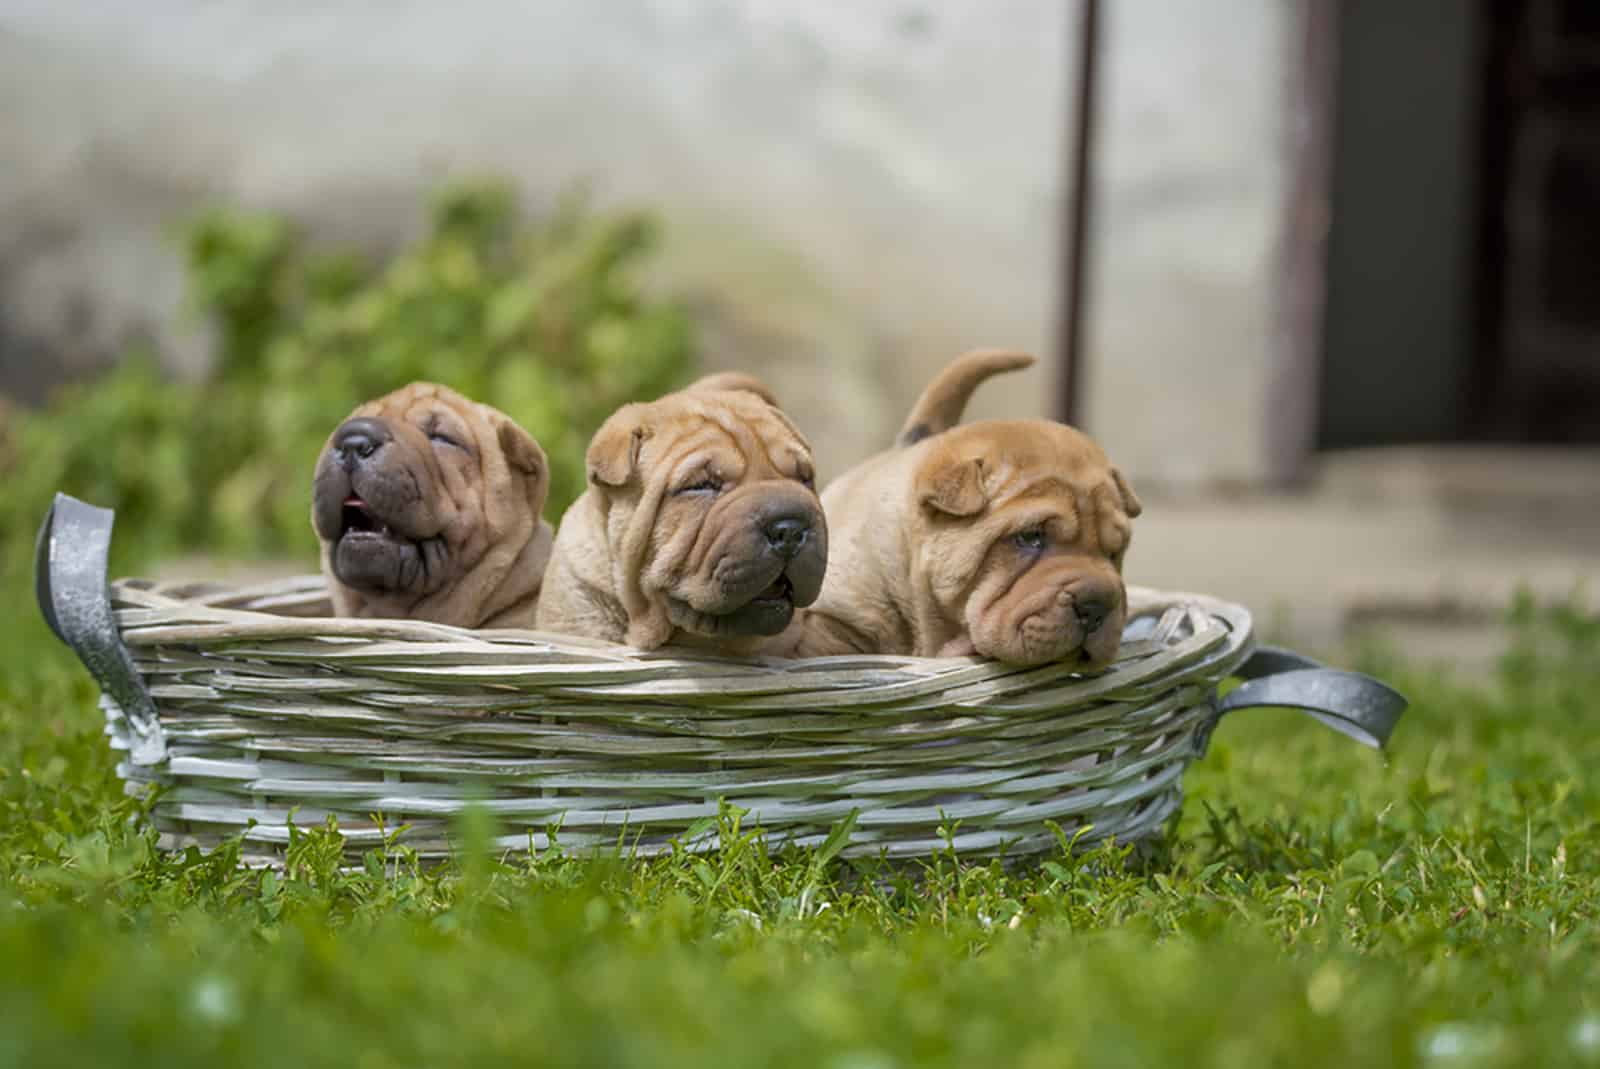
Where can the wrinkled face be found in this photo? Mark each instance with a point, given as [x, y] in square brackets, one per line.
[1025, 527]
[712, 517]
[413, 489]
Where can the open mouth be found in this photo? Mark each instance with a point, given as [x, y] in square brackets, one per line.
[780, 589]
[357, 517]
[768, 613]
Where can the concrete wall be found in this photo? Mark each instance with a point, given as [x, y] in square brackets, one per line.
[1191, 177]
[854, 190]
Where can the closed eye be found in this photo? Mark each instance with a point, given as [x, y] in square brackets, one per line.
[707, 485]
[440, 438]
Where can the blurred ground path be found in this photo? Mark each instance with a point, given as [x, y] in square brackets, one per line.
[1426, 547]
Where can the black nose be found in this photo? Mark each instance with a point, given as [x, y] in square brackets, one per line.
[1091, 611]
[787, 535]
[358, 439]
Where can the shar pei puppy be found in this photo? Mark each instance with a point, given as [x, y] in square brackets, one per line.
[429, 506]
[1001, 538]
[700, 526]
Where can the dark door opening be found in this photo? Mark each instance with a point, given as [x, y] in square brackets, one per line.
[1536, 369]
[1463, 284]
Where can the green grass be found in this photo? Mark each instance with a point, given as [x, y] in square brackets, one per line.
[1320, 905]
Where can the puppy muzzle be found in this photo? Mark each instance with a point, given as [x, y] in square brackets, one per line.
[357, 440]
[1054, 622]
[767, 558]
[367, 505]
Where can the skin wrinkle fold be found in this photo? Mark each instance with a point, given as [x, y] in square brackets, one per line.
[699, 568]
[453, 532]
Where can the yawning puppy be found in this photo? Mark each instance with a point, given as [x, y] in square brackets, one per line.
[700, 526]
[1003, 538]
[428, 507]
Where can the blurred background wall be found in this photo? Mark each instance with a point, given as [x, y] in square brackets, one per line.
[1313, 223]
[1191, 163]
[854, 192]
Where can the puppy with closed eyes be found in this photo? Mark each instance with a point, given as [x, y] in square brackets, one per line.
[700, 526]
[429, 506]
[1003, 538]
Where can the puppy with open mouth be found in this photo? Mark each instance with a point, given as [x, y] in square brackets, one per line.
[1003, 538]
[429, 506]
[701, 525]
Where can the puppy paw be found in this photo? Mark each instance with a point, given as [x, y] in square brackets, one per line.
[960, 646]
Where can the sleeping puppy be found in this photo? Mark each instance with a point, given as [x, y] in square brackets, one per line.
[700, 527]
[1002, 538]
[429, 507]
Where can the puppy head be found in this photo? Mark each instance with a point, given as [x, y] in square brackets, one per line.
[1021, 529]
[416, 487]
[711, 515]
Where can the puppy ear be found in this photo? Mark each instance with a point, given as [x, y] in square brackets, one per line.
[522, 452]
[613, 456]
[737, 381]
[955, 489]
[1130, 502]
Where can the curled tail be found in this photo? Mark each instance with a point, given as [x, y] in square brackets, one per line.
[945, 398]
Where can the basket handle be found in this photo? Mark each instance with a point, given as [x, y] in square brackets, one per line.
[1350, 703]
[70, 560]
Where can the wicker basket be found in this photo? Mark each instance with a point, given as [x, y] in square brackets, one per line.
[253, 709]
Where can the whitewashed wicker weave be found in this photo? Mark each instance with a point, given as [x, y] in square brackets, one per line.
[271, 712]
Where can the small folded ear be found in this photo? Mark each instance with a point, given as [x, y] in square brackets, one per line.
[522, 452]
[613, 457]
[737, 381]
[1130, 502]
[954, 489]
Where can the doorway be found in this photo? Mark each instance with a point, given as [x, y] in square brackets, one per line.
[1463, 270]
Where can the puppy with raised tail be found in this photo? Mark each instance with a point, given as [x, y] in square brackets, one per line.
[1003, 538]
[700, 526]
[429, 506]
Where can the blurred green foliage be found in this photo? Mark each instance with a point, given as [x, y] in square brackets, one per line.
[547, 321]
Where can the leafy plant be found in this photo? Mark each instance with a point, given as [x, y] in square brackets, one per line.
[547, 321]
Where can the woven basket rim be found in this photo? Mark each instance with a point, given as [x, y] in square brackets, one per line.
[211, 607]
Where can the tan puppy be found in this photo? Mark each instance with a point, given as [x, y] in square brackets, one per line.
[428, 506]
[701, 525]
[1003, 538]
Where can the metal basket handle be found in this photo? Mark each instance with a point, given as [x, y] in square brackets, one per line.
[70, 561]
[1350, 703]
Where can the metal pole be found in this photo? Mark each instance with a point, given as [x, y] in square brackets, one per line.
[1070, 403]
